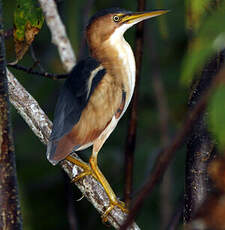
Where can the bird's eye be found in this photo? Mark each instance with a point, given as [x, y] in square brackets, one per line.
[116, 18]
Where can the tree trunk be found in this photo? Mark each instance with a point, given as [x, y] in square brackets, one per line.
[10, 214]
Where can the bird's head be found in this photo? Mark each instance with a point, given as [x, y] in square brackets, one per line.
[114, 22]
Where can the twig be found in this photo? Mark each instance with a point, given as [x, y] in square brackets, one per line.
[166, 156]
[59, 37]
[36, 61]
[131, 133]
[43, 74]
[34, 116]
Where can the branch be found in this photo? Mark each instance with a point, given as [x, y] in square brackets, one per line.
[167, 155]
[10, 212]
[37, 73]
[200, 147]
[132, 127]
[59, 37]
[37, 120]
[41, 125]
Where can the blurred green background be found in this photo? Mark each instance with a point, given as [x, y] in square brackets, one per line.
[45, 191]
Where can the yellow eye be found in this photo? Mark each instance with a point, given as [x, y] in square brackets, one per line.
[116, 18]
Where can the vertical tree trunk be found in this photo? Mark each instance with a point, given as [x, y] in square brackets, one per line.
[10, 214]
[200, 147]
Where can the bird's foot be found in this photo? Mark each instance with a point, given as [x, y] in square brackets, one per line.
[87, 170]
[94, 171]
[112, 205]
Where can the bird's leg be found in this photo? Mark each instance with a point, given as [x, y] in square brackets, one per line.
[100, 177]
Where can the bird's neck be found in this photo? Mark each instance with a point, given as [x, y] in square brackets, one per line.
[117, 57]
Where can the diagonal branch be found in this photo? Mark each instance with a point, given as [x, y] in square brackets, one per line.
[37, 120]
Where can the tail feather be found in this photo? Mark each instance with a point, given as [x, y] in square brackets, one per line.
[51, 149]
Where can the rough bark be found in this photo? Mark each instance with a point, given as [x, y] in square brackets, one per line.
[34, 116]
[10, 213]
[29, 109]
[200, 147]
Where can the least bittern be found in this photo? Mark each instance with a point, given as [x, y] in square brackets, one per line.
[97, 93]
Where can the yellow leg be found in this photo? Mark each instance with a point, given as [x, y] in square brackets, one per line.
[97, 174]
[111, 195]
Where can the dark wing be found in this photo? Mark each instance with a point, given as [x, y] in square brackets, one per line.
[73, 98]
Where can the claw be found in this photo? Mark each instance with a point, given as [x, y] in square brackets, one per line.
[94, 171]
[112, 205]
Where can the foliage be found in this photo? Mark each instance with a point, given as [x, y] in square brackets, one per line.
[28, 20]
[205, 44]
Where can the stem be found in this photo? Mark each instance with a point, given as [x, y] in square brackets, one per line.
[132, 127]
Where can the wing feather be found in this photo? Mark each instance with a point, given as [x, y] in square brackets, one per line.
[73, 98]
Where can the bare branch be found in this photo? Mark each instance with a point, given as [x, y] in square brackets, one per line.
[59, 36]
[37, 120]
[131, 133]
[37, 73]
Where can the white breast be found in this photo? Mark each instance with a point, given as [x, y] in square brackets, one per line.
[126, 57]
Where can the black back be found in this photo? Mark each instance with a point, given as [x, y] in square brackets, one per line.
[74, 96]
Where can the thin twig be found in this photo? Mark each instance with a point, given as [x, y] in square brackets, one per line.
[37, 73]
[36, 61]
[131, 133]
[59, 37]
[166, 156]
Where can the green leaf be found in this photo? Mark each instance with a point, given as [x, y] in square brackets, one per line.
[27, 12]
[217, 115]
[28, 20]
[209, 40]
[196, 11]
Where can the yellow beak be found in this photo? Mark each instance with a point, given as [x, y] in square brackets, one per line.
[140, 16]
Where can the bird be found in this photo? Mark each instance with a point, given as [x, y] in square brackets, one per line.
[96, 94]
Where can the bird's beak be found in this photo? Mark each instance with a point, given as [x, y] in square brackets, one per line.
[140, 16]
